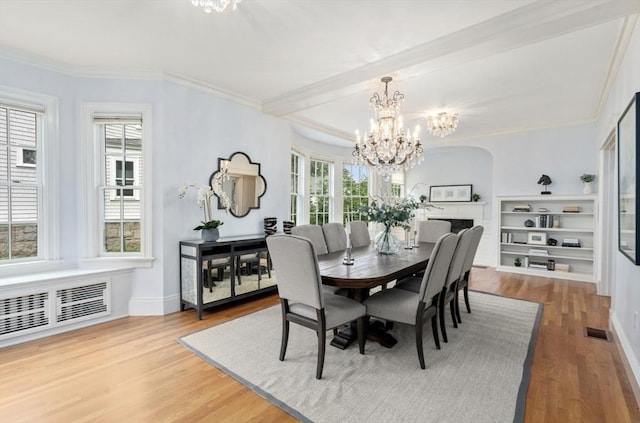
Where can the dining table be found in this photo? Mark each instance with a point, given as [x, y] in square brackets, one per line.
[369, 270]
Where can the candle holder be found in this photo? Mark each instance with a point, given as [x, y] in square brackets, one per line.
[415, 239]
[348, 260]
[407, 236]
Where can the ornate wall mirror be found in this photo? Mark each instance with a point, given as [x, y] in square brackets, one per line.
[243, 183]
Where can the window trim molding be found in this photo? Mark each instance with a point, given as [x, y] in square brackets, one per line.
[91, 179]
[49, 172]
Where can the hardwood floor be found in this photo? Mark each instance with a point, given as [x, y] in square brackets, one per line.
[133, 370]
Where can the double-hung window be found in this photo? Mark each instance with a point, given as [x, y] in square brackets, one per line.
[117, 215]
[297, 179]
[355, 191]
[20, 184]
[320, 192]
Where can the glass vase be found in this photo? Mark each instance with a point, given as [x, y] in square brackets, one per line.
[386, 242]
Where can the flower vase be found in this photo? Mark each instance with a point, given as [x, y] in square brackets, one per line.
[210, 235]
[588, 188]
[386, 242]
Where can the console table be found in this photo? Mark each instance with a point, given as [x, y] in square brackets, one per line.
[196, 258]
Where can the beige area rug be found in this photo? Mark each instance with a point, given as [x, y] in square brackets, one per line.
[480, 375]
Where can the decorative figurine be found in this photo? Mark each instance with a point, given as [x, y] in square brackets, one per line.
[545, 180]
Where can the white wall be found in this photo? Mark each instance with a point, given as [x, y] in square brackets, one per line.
[625, 299]
[191, 129]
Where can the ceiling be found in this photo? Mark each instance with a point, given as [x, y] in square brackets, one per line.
[503, 65]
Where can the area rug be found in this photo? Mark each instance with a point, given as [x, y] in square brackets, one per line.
[480, 375]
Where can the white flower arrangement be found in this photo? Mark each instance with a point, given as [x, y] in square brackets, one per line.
[204, 195]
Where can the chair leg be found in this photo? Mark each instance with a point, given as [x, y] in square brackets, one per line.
[285, 336]
[362, 332]
[466, 298]
[434, 329]
[456, 301]
[321, 347]
[443, 329]
[452, 307]
[419, 342]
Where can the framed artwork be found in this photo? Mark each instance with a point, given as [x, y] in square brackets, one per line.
[539, 238]
[628, 189]
[449, 193]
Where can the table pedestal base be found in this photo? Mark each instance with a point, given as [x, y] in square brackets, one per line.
[376, 331]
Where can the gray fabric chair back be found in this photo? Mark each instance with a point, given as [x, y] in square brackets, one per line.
[431, 230]
[334, 236]
[465, 237]
[359, 233]
[313, 233]
[435, 275]
[296, 263]
[473, 248]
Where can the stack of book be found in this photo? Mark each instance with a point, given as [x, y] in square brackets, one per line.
[561, 267]
[521, 208]
[506, 237]
[544, 221]
[538, 252]
[538, 264]
[571, 209]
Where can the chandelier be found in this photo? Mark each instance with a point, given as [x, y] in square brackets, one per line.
[217, 5]
[386, 147]
[443, 124]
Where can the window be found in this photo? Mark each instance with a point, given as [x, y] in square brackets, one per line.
[319, 192]
[121, 141]
[116, 182]
[20, 184]
[355, 191]
[296, 188]
[397, 185]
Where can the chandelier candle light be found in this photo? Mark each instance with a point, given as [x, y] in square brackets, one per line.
[386, 147]
[217, 5]
[443, 124]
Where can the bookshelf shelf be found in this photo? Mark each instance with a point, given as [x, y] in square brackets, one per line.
[576, 263]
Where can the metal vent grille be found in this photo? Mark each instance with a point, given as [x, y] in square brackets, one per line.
[82, 301]
[23, 313]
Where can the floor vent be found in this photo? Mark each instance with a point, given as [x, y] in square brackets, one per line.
[22, 313]
[597, 333]
[82, 301]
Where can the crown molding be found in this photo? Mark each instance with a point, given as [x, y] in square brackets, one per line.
[211, 89]
[520, 27]
[616, 60]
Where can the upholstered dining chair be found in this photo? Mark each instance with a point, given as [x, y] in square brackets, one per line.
[430, 230]
[302, 298]
[403, 306]
[359, 234]
[334, 236]
[315, 234]
[463, 283]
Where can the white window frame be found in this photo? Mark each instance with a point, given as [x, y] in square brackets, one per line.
[92, 169]
[299, 190]
[20, 155]
[136, 182]
[332, 190]
[48, 258]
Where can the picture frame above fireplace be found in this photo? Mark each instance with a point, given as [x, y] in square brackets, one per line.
[450, 193]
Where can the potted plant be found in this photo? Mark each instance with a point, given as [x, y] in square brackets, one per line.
[587, 179]
[475, 196]
[517, 262]
[209, 226]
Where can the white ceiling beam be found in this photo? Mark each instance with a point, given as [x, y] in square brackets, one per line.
[523, 26]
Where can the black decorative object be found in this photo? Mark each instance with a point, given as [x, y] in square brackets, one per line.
[270, 225]
[287, 225]
[628, 186]
[544, 181]
[552, 242]
[528, 223]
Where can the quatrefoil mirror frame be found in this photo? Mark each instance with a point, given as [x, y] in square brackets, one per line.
[244, 177]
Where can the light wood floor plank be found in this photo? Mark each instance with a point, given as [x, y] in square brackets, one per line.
[133, 370]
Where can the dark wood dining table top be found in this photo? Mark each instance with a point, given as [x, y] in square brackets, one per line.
[371, 269]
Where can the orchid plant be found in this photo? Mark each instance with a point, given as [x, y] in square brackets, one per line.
[204, 195]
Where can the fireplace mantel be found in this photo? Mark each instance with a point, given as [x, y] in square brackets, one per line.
[462, 210]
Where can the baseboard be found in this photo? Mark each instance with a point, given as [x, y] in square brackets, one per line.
[154, 306]
[629, 361]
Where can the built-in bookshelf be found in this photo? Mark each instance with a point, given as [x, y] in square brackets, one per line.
[551, 236]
